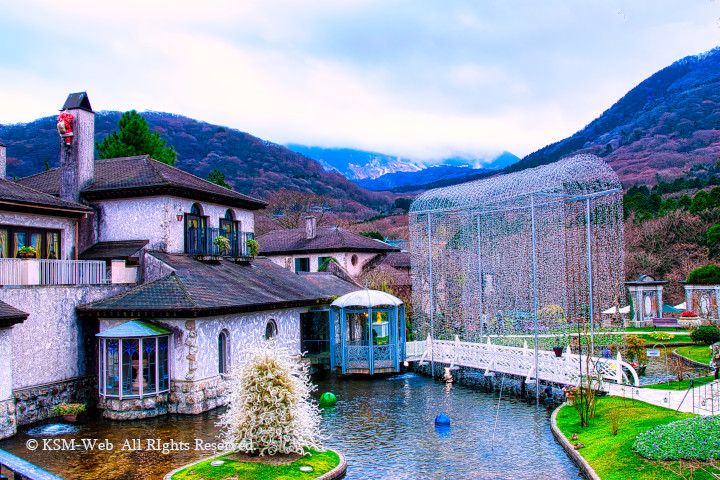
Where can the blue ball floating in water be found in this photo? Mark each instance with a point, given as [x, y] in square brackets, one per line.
[442, 419]
[328, 399]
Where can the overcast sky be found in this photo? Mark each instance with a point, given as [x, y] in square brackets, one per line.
[420, 79]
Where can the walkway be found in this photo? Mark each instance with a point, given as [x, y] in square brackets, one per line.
[702, 400]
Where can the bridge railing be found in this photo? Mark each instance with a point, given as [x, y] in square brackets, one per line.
[521, 361]
[22, 469]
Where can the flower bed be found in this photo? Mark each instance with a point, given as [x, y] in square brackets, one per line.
[695, 438]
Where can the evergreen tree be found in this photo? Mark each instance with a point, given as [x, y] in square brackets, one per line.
[700, 202]
[217, 177]
[133, 137]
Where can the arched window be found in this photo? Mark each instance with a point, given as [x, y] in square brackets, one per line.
[271, 329]
[223, 352]
[195, 234]
[229, 215]
[354, 260]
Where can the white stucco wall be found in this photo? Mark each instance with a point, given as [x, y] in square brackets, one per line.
[66, 225]
[6, 363]
[50, 345]
[199, 338]
[155, 219]
[345, 259]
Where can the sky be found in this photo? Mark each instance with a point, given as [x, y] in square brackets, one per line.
[421, 79]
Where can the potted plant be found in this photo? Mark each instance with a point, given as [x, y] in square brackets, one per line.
[27, 252]
[223, 244]
[253, 246]
[69, 411]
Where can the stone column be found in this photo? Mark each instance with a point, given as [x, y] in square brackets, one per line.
[8, 424]
[3, 161]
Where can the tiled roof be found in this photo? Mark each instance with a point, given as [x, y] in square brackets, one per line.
[119, 250]
[397, 260]
[10, 315]
[142, 176]
[327, 239]
[14, 196]
[204, 289]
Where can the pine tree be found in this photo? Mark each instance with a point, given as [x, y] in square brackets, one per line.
[133, 137]
[217, 177]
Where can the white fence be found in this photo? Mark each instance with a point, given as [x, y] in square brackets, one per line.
[15, 271]
[521, 361]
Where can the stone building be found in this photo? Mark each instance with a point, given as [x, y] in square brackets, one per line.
[646, 293]
[305, 249]
[129, 300]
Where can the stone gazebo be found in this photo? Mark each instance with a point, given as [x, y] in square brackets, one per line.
[646, 295]
[367, 332]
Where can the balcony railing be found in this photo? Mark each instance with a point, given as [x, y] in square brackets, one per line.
[200, 241]
[15, 271]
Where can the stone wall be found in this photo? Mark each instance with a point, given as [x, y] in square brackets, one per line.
[198, 396]
[343, 258]
[134, 408]
[154, 269]
[155, 219]
[36, 403]
[53, 345]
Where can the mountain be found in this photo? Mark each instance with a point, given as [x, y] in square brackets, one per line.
[666, 125]
[399, 180]
[251, 165]
[355, 164]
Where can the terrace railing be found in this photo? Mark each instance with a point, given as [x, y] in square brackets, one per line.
[200, 241]
[15, 271]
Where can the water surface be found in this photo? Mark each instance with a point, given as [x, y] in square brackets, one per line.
[385, 427]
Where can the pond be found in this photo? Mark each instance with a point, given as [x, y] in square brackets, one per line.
[384, 425]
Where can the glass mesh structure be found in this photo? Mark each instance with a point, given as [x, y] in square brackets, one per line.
[533, 251]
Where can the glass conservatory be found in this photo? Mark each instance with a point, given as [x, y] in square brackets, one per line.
[367, 332]
[133, 359]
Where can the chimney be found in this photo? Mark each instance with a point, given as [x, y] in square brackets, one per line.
[3, 161]
[77, 152]
[310, 227]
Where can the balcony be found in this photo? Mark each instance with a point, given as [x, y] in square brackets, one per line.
[31, 271]
[200, 242]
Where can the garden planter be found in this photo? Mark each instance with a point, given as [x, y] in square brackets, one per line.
[558, 351]
[71, 417]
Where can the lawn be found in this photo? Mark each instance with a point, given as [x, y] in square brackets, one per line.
[681, 385]
[699, 353]
[612, 456]
[321, 462]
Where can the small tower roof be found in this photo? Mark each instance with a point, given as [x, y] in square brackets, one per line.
[78, 100]
[366, 299]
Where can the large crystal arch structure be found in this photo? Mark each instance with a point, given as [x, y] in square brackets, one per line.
[536, 251]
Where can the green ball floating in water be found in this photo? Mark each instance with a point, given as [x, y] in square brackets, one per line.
[328, 399]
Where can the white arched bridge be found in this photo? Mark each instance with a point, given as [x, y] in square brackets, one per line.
[520, 361]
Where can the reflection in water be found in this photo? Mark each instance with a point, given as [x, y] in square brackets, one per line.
[385, 426]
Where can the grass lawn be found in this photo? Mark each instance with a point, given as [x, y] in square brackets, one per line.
[699, 353]
[682, 385]
[612, 456]
[321, 462]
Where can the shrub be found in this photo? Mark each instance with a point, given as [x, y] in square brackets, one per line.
[706, 334]
[270, 410]
[323, 266]
[694, 438]
[69, 408]
[223, 243]
[705, 275]
[635, 349]
[661, 336]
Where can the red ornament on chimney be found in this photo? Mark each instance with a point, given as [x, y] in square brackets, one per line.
[64, 127]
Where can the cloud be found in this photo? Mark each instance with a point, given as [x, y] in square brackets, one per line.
[418, 79]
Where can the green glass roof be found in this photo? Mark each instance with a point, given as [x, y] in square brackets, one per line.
[134, 329]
